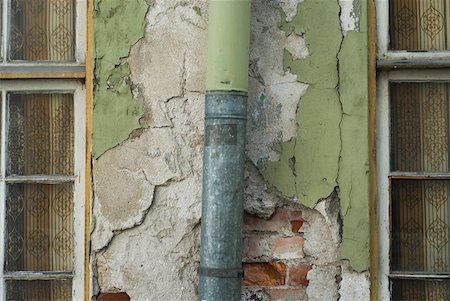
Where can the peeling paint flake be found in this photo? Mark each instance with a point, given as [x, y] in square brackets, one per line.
[117, 26]
[349, 15]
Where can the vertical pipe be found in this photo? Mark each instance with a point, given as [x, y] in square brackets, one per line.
[223, 162]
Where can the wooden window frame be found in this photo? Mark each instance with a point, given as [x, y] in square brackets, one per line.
[384, 173]
[58, 86]
[76, 77]
[386, 66]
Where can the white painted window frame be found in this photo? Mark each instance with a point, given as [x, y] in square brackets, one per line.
[80, 38]
[74, 86]
[383, 127]
[383, 162]
[79, 92]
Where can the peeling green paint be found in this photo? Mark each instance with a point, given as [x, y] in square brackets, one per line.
[197, 10]
[331, 147]
[118, 24]
[319, 110]
[275, 172]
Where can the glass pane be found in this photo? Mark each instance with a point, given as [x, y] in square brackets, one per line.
[420, 127]
[42, 30]
[40, 134]
[420, 290]
[420, 227]
[39, 290]
[39, 224]
[419, 24]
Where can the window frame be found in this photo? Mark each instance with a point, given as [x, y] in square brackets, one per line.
[394, 66]
[57, 76]
[78, 90]
[384, 173]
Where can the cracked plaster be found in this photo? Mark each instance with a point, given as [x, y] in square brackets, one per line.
[157, 237]
[273, 92]
[115, 113]
[330, 147]
[147, 190]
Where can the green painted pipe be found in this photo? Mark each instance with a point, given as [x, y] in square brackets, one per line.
[223, 160]
[228, 45]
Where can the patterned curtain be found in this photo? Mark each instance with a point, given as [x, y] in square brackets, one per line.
[420, 207]
[42, 30]
[419, 24]
[40, 216]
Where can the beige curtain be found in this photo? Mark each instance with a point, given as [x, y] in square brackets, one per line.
[420, 208]
[419, 24]
[42, 30]
[40, 216]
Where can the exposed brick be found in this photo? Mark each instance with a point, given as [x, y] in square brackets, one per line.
[288, 247]
[296, 225]
[264, 273]
[290, 294]
[277, 222]
[298, 275]
[255, 246]
[113, 297]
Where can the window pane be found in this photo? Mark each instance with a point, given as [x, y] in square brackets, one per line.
[420, 228]
[39, 290]
[420, 127]
[42, 30]
[420, 290]
[40, 134]
[39, 227]
[419, 24]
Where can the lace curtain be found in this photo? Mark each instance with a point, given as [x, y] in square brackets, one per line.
[419, 24]
[420, 207]
[42, 30]
[40, 216]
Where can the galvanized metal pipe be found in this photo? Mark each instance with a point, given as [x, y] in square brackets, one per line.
[223, 167]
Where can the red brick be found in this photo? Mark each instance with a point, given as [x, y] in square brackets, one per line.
[264, 274]
[254, 246]
[290, 294]
[298, 275]
[296, 225]
[113, 297]
[288, 247]
[277, 222]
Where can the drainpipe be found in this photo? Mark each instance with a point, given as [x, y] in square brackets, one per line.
[223, 161]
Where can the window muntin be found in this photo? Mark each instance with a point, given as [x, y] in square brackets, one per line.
[44, 211]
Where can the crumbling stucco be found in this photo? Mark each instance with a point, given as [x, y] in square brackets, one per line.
[330, 147]
[306, 137]
[147, 190]
[273, 92]
[353, 286]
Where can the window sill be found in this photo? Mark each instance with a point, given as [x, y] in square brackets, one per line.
[37, 72]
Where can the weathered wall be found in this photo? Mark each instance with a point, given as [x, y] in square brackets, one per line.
[306, 182]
